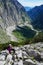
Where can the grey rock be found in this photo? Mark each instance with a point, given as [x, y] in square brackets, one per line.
[42, 55]
[2, 57]
[29, 62]
[25, 55]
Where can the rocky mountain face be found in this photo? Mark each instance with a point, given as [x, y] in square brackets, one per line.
[36, 14]
[12, 13]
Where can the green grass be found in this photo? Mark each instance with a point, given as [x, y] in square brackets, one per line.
[4, 46]
[23, 33]
[38, 38]
[19, 36]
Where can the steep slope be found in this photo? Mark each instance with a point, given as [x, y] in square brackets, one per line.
[3, 37]
[11, 13]
[36, 14]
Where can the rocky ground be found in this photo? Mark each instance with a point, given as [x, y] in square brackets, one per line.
[31, 54]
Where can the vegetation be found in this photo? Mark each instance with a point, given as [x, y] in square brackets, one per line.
[3, 37]
[38, 38]
[25, 36]
[4, 46]
[24, 33]
[36, 15]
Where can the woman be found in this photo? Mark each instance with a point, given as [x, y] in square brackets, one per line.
[10, 48]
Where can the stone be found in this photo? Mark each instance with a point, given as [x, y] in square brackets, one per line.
[20, 62]
[19, 53]
[29, 62]
[42, 55]
[2, 57]
[2, 62]
[25, 55]
[32, 52]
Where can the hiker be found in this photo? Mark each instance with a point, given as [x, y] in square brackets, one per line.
[10, 48]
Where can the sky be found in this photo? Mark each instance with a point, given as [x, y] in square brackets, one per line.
[31, 3]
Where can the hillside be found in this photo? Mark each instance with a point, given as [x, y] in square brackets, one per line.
[36, 14]
[3, 37]
[12, 13]
[24, 33]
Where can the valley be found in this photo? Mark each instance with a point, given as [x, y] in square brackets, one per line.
[11, 28]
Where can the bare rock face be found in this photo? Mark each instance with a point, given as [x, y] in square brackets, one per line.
[12, 13]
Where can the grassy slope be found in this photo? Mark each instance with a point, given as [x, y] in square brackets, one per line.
[23, 33]
[3, 37]
[38, 38]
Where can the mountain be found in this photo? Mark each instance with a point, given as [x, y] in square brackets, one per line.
[12, 13]
[36, 15]
[27, 8]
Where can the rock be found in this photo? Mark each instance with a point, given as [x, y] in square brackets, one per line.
[23, 48]
[4, 52]
[38, 45]
[29, 62]
[16, 48]
[42, 55]
[19, 53]
[20, 62]
[25, 55]
[2, 62]
[39, 63]
[32, 52]
[9, 60]
[15, 63]
[27, 46]
[2, 57]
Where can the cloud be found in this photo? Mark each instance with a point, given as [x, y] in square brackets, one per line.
[31, 3]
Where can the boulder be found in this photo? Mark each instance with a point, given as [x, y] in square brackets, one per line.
[42, 55]
[2, 62]
[29, 62]
[2, 57]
